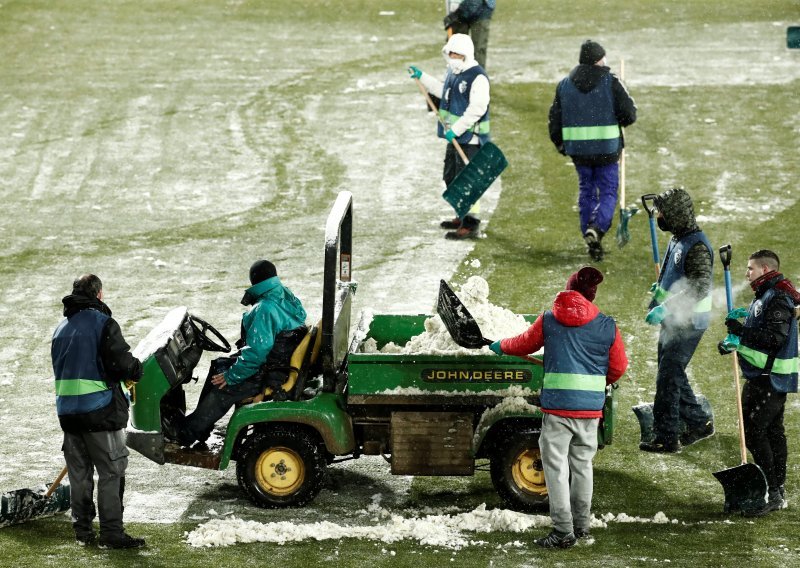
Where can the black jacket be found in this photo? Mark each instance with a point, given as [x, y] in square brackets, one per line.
[118, 364]
[586, 78]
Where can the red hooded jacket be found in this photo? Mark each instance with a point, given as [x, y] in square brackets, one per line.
[570, 309]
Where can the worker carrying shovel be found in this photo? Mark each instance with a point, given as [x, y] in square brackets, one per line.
[767, 347]
[464, 120]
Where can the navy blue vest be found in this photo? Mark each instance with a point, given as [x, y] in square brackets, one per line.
[455, 100]
[75, 350]
[576, 363]
[589, 126]
[673, 270]
[783, 367]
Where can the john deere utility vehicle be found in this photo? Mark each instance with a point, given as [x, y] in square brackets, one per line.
[432, 415]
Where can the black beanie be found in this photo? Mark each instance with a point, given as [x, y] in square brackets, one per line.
[591, 53]
[262, 270]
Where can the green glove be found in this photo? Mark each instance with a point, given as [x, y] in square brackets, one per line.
[414, 72]
[659, 294]
[656, 315]
[729, 344]
[450, 135]
[737, 313]
[496, 347]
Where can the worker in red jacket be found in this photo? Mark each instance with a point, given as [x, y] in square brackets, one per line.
[583, 353]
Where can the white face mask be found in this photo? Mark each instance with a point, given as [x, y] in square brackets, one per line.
[456, 65]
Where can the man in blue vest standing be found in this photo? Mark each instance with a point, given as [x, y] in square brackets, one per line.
[767, 347]
[681, 305]
[91, 362]
[583, 353]
[464, 110]
[590, 108]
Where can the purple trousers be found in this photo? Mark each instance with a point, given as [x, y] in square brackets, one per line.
[597, 196]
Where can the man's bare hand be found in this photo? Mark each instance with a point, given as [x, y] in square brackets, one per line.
[219, 381]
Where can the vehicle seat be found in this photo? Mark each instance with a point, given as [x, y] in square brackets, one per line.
[303, 358]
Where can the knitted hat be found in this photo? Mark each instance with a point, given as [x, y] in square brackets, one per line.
[585, 281]
[591, 52]
[262, 270]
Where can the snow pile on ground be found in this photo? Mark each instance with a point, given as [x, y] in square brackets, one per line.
[442, 531]
[495, 322]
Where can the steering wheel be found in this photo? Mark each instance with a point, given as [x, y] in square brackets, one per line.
[207, 343]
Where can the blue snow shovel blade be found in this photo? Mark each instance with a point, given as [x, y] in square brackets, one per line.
[28, 504]
[745, 487]
[475, 178]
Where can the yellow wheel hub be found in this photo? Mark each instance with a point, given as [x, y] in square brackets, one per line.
[280, 471]
[528, 473]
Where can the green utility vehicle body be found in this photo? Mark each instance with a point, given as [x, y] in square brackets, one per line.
[425, 414]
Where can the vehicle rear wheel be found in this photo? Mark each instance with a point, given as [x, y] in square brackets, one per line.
[517, 473]
[282, 467]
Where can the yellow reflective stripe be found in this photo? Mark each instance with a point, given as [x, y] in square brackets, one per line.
[480, 127]
[759, 360]
[703, 305]
[73, 387]
[574, 381]
[608, 132]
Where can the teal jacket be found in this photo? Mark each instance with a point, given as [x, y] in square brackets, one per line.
[276, 309]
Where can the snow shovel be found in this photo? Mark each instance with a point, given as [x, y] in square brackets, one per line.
[461, 325]
[745, 485]
[477, 175]
[26, 504]
[625, 213]
[653, 239]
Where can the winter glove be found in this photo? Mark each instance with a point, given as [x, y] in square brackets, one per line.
[414, 73]
[734, 326]
[738, 313]
[496, 347]
[658, 293]
[728, 345]
[450, 135]
[449, 20]
[656, 315]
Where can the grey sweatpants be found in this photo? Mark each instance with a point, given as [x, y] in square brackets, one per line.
[568, 446]
[106, 452]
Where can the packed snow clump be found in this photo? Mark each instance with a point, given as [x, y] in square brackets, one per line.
[495, 323]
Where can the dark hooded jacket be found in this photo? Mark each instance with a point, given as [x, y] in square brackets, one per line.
[678, 218]
[115, 363]
[586, 78]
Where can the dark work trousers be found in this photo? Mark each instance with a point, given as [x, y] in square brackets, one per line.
[453, 164]
[105, 452]
[597, 195]
[675, 400]
[763, 428]
[214, 403]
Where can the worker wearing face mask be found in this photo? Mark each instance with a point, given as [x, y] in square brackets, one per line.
[464, 110]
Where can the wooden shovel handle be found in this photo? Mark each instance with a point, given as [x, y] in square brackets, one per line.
[56, 483]
[742, 445]
[435, 111]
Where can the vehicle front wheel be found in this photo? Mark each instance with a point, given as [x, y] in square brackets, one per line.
[281, 467]
[518, 475]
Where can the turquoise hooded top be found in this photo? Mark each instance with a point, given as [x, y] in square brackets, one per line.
[275, 309]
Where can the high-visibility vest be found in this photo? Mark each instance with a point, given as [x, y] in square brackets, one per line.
[75, 350]
[589, 126]
[576, 363]
[455, 100]
[783, 365]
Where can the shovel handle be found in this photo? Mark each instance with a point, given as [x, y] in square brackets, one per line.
[435, 111]
[56, 483]
[725, 258]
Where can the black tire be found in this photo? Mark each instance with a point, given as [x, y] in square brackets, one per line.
[281, 467]
[517, 473]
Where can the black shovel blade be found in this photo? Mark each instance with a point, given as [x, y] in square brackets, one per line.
[745, 487]
[26, 504]
[459, 322]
